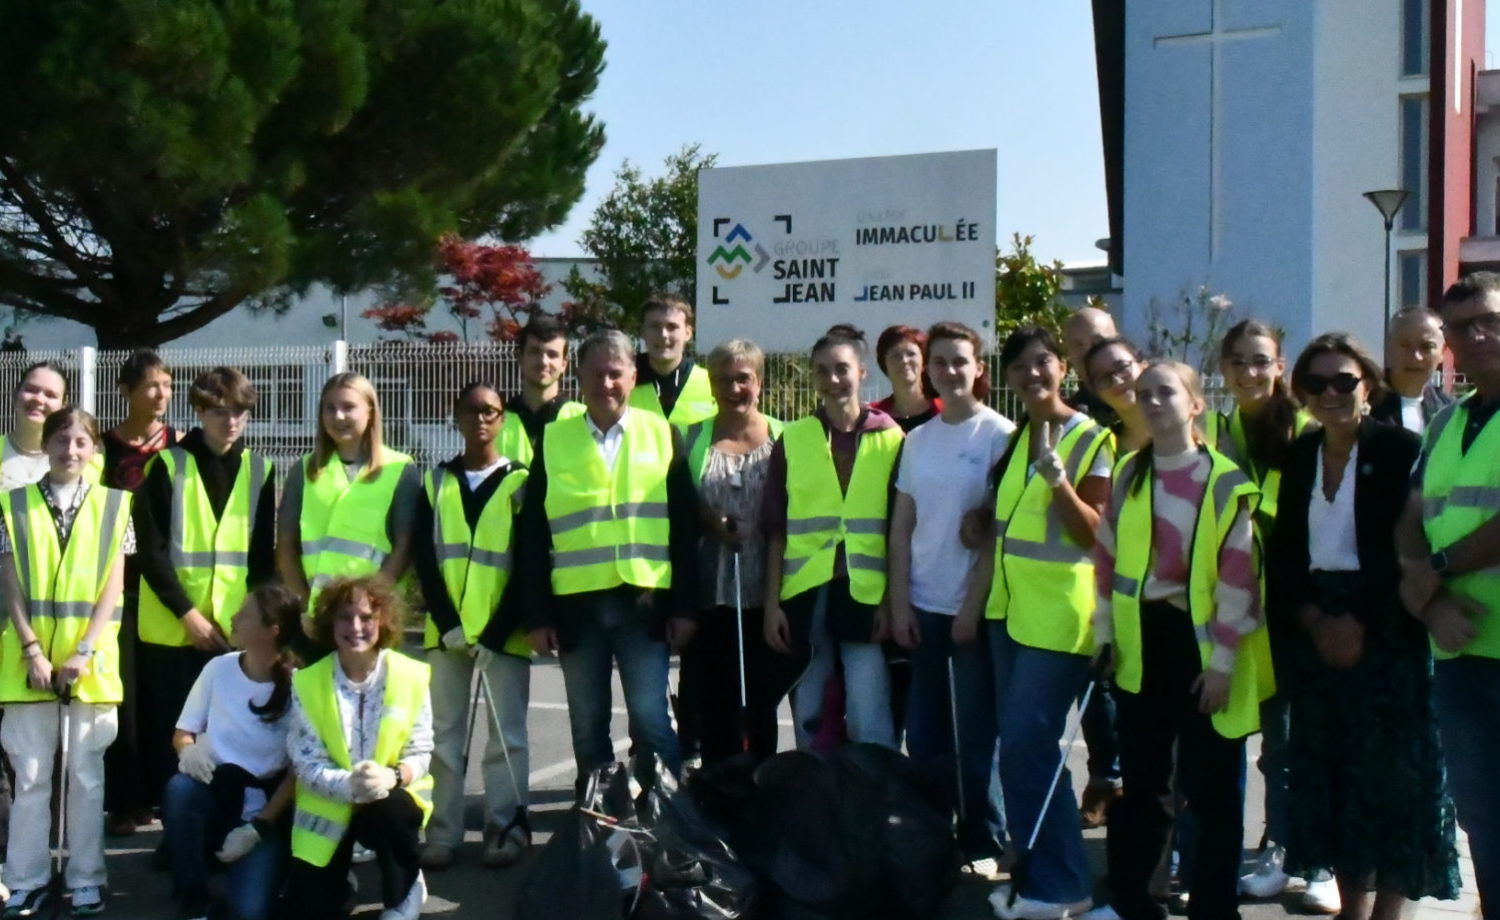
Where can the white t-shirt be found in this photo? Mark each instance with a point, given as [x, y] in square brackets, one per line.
[477, 477]
[1411, 414]
[945, 470]
[219, 704]
[18, 468]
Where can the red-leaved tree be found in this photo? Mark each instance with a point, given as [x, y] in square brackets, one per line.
[496, 285]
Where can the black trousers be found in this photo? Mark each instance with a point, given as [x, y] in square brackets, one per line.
[713, 662]
[165, 676]
[390, 828]
[1164, 715]
[125, 789]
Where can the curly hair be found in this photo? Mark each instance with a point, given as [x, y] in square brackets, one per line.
[377, 590]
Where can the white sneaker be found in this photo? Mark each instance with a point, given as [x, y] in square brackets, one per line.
[1322, 894]
[87, 901]
[1028, 909]
[410, 907]
[1268, 879]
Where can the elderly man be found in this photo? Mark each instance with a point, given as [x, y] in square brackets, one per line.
[1413, 351]
[1450, 558]
[607, 556]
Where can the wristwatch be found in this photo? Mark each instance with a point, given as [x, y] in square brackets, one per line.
[84, 648]
[1439, 562]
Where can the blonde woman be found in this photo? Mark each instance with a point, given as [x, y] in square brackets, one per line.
[349, 506]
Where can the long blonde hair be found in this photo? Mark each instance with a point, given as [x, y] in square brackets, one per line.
[373, 444]
[1145, 461]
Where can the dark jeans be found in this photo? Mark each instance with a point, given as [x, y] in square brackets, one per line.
[1466, 695]
[167, 676]
[714, 660]
[194, 816]
[1163, 714]
[930, 714]
[390, 828]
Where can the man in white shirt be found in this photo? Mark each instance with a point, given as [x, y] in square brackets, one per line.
[1413, 351]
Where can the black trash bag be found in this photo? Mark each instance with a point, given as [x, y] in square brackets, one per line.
[918, 859]
[593, 868]
[693, 872]
[862, 835]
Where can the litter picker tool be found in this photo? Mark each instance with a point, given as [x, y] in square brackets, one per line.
[519, 819]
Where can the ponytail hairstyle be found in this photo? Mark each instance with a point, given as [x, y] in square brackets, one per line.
[281, 608]
[1145, 461]
[843, 334]
[1269, 435]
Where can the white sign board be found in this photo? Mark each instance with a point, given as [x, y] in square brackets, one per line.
[785, 251]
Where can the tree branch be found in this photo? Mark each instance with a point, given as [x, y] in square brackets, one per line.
[36, 209]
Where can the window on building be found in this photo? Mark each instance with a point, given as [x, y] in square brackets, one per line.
[1416, 17]
[1411, 274]
[1413, 215]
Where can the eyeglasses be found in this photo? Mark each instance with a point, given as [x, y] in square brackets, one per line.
[1343, 384]
[1487, 324]
[483, 413]
[1119, 372]
[1259, 363]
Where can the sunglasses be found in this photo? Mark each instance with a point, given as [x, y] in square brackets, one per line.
[1343, 384]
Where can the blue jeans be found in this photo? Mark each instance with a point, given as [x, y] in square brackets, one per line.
[1100, 735]
[1275, 731]
[1034, 691]
[251, 882]
[929, 727]
[867, 684]
[1466, 695]
[617, 631]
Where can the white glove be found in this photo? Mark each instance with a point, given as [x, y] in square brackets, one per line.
[1048, 464]
[371, 781]
[483, 657]
[197, 761]
[238, 842]
[454, 641]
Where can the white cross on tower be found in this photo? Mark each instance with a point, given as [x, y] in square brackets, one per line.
[1216, 37]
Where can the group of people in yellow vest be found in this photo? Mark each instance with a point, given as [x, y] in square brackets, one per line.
[922, 567]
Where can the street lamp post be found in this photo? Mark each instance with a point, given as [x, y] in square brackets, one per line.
[1388, 202]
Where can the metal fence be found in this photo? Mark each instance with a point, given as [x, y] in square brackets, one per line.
[416, 384]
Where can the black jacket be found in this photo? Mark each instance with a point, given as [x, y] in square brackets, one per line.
[1383, 463]
[1388, 410]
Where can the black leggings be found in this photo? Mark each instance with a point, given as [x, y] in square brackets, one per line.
[389, 827]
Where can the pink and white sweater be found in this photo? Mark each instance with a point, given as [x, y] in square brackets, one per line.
[1178, 484]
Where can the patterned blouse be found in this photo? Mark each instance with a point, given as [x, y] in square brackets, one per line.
[360, 708]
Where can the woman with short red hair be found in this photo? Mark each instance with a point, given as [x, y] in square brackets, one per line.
[899, 352]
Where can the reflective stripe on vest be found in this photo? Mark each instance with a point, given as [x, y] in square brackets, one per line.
[343, 523]
[320, 823]
[698, 437]
[62, 583]
[1252, 680]
[475, 564]
[1226, 434]
[609, 527]
[821, 515]
[695, 402]
[211, 556]
[1460, 493]
[1036, 560]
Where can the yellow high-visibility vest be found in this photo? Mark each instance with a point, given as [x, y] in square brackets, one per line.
[320, 822]
[514, 444]
[61, 585]
[343, 523]
[820, 515]
[1252, 680]
[211, 556]
[694, 403]
[1049, 575]
[1461, 492]
[1226, 434]
[475, 563]
[609, 527]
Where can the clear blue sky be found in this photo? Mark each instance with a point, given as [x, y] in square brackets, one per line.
[767, 81]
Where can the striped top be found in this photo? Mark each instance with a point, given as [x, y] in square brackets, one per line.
[1178, 485]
